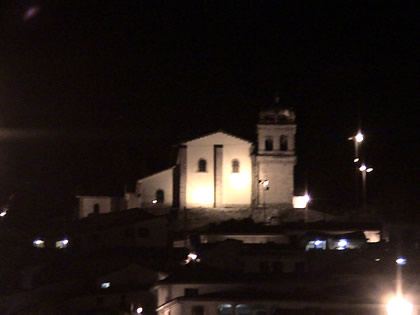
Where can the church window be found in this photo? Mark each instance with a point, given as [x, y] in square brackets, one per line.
[269, 144]
[96, 208]
[283, 143]
[235, 166]
[160, 196]
[202, 165]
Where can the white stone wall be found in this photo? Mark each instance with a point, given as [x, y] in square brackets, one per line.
[148, 186]
[200, 185]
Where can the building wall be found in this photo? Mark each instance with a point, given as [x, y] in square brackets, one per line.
[236, 188]
[87, 205]
[147, 188]
[279, 171]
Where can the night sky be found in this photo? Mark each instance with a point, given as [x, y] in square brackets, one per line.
[95, 94]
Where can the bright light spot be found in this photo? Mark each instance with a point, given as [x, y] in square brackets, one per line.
[342, 244]
[38, 243]
[239, 180]
[139, 310]
[356, 160]
[369, 170]
[300, 202]
[2, 214]
[62, 244]
[105, 285]
[154, 201]
[362, 168]
[399, 306]
[30, 13]
[401, 261]
[317, 244]
[377, 259]
[265, 183]
[359, 137]
[202, 195]
[192, 257]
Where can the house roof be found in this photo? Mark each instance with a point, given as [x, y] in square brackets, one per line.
[156, 174]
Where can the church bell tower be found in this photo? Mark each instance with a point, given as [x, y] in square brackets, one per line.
[275, 156]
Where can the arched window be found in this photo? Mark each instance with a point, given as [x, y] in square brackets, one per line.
[269, 144]
[283, 143]
[202, 165]
[160, 196]
[235, 166]
[96, 208]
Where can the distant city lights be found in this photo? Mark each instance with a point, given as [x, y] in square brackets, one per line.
[342, 244]
[105, 285]
[62, 243]
[192, 257]
[38, 243]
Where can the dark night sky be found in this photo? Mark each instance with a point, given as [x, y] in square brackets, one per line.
[94, 93]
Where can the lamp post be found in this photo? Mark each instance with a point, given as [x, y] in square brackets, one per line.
[357, 139]
[265, 186]
[364, 170]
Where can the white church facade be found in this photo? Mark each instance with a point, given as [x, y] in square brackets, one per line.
[220, 170]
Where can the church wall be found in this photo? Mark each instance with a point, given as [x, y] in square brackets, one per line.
[279, 172]
[237, 186]
[147, 187]
[200, 185]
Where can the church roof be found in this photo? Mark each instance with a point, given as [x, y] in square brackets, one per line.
[220, 133]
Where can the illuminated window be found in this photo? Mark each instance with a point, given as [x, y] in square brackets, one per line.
[235, 166]
[268, 144]
[96, 208]
[202, 165]
[160, 196]
[283, 143]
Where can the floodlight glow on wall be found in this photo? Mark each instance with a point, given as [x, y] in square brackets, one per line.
[202, 195]
[239, 180]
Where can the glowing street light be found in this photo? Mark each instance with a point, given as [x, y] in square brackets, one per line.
[139, 310]
[398, 305]
[364, 170]
[358, 139]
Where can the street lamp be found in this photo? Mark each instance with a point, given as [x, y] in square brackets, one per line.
[364, 170]
[358, 139]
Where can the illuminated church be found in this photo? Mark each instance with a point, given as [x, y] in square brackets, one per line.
[220, 170]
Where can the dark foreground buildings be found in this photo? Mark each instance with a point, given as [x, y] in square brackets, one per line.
[217, 233]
